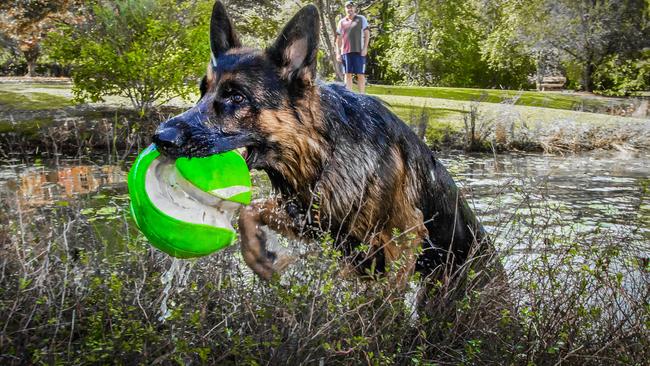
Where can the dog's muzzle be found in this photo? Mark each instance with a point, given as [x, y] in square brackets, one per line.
[169, 138]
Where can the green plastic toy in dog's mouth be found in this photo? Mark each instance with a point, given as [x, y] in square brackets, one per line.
[185, 206]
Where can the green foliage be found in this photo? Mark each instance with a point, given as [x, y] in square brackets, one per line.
[424, 52]
[383, 13]
[502, 43]
[14, 100]
[622, 77]
[257, 23]
[586, 32]
[148, 51]
[573, 71]
[502, 47]
[6, 55]
[452, 43]
[151, 51]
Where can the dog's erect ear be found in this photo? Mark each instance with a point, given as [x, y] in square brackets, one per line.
[222, 32]
[295, 49]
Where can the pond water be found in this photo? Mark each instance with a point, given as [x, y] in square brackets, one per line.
[583, 193]
[590, 192]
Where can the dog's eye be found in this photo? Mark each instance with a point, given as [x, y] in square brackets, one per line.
[237, 98]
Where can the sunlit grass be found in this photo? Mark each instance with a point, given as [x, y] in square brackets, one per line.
[13, 100]
[527, 98]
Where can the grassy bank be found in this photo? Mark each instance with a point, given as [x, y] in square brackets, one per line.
[35, 112]
[554, 100]
[518, 120]
[507, 126]
[44, 119]
[17, 101]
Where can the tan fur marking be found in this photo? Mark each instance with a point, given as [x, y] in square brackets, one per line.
[303, 155]
[210, 77]
[408, 219]
[376, 226]
[251, 219]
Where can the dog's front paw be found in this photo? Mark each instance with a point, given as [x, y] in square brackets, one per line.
[254, 246]
[282, 261]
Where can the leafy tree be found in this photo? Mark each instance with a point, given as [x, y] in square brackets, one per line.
[422, 39]
[258, 22]
[507, 46]
[587, 31]
[330, 12]
[382, 17]
[444, 43]
[620, 76]
[149, 51]
[24, 24]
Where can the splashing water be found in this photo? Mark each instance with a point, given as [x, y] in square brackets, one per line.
[180, 271]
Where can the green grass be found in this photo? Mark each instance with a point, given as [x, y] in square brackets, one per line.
[526, 98]
[411, 113]
[31, 101]
[442, 122]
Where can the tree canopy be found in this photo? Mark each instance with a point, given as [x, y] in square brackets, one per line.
[152, 50]
[147, 50]
[24, 24]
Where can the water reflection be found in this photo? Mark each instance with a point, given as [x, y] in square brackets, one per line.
[608, 190]
[40, 186]
[588, 191]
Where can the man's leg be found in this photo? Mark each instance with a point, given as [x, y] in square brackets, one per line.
[361, 82]
[348, 81]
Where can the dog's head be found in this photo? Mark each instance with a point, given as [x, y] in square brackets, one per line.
[246, 92]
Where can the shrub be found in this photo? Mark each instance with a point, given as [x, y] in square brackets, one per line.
[142, 50]
[618, 76]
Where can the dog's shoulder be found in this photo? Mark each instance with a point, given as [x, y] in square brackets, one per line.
[360, 113]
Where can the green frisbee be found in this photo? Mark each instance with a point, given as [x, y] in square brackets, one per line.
[185, 206]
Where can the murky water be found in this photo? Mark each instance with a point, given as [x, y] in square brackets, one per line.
[589, 192]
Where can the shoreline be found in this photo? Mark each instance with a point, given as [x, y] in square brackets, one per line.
[45, 118]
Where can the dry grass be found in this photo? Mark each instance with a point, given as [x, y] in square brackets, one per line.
[485, 127]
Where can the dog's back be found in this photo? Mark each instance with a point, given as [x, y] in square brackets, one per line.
[378, 168]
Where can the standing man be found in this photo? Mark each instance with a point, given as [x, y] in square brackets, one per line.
[352, 36]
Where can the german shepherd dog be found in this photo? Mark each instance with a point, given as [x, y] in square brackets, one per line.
[340, 163]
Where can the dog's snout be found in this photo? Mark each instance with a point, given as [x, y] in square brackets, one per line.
[169, 137]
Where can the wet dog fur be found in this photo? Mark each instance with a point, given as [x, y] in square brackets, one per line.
[341, 163]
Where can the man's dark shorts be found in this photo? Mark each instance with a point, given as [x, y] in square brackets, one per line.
[354, 63]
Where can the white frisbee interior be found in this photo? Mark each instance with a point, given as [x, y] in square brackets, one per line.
[176, 197]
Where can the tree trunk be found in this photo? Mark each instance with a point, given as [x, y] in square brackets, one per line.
[31, 56]
[328, 26]
[587, 79]
[31, 69]
[539, 72]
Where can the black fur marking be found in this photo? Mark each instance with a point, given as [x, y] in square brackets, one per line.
[203, 86]
[222, 34]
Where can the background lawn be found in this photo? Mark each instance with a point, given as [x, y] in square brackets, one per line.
[556, 100]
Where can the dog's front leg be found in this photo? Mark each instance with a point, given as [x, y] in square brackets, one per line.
[401, 251]
[253, 239]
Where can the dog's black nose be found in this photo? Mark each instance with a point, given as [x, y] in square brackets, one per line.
[170, 137]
